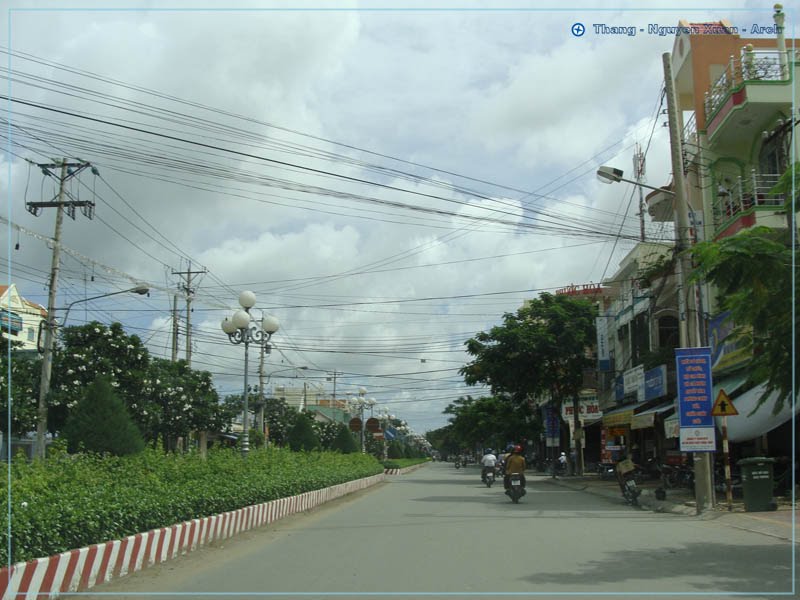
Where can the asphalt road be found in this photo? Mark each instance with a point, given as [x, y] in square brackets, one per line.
[439, 531]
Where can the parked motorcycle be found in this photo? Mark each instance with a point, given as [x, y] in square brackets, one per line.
[627, 481]
[675, 476]
[457, 464]
[516, 488]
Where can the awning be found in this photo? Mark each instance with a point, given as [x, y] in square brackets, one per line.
[647, 418]
[672, 426]
[621, 416]
[743, 427]
[730, 384]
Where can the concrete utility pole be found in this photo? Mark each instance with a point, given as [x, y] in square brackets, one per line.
[638, 170]
[175, 328]
[687, 300]
[68, 171]
[189, 291]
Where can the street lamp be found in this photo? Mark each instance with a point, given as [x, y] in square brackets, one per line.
[50, 326]
[240, 331]
[613, 175]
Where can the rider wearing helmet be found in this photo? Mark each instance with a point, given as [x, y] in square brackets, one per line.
[514, 464]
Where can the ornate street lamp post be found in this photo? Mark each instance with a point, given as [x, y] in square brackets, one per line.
[240, 330]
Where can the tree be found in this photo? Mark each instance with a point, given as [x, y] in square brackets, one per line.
[490, 421]
[301, 436]
[752, 272]
[88, 351]
[24, 391]
[175, 400]
[541, 351]
[101, 423]
[344, 441]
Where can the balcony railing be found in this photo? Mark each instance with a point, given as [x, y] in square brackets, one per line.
[751, 65]
[745, 193]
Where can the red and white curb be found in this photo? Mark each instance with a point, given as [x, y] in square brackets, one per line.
[80, 570]
[403, 470]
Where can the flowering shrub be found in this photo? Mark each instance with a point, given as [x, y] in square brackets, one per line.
[71, 501]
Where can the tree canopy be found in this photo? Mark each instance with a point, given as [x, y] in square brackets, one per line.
[540, 350]
[752, 271]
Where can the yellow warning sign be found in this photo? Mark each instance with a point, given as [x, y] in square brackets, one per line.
[723, 407]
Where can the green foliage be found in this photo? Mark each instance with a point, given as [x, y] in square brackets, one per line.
[101, 423]
[752, 272]
[539, 350]
[68, 502]
[489, 422]
[395, 450]
[24, 393]
[88, 351]
[301, 436]
[255, 438]
[344, 442]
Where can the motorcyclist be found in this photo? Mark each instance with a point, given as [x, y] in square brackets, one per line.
[488, 461]
[514, 464]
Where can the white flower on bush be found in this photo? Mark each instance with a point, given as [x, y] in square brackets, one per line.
[97, 330]
[24, 504]
[76, 382]
[81, 367]
[115, 384]
[70, 371]
[187, 406]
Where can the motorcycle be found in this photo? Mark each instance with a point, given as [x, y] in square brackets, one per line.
[627, 481]
[457, 464]
[487, 476]
[516, 489]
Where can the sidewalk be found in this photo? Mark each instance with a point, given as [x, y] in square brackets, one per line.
[778, 523]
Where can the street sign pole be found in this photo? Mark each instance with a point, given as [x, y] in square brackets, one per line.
[727, 458]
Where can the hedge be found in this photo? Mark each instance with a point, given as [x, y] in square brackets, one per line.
[72, 501]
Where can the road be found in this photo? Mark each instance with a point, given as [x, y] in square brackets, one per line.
[438, 530]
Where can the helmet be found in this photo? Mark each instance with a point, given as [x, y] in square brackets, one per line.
[488, 451]
[517, 449]
[563, 454]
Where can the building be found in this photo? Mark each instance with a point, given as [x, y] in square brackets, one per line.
[735, 102]
[20, 319]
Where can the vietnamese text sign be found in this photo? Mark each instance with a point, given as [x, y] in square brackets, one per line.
[633, 382]
[588, 406]
[694, 399]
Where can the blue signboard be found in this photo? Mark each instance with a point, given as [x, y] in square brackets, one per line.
[655, 383]
[389, 433]
[694, 399]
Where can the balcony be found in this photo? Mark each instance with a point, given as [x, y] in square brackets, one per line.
[735, 209]
[752, 87]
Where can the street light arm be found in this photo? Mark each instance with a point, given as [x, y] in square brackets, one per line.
[139, 289]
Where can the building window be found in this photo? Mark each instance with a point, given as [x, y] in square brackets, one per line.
[31, 334]
[668, 335]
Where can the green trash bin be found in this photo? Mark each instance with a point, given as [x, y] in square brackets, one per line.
[757, 484]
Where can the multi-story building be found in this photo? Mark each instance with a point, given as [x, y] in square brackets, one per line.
[735, 101]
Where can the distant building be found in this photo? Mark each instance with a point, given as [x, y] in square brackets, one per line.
[20, 319]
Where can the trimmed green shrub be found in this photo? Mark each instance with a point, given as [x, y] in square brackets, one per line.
[67, 502]
[344, 441]
[301, 436]
[101, 423]
[395, 450]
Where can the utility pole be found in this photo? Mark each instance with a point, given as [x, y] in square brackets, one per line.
[687, 300]
[175, 328]
[189, 291]
[68, 171]
[638, 170]
[261, 400]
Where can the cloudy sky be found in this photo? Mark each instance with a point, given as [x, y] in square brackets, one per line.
[387, 178]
